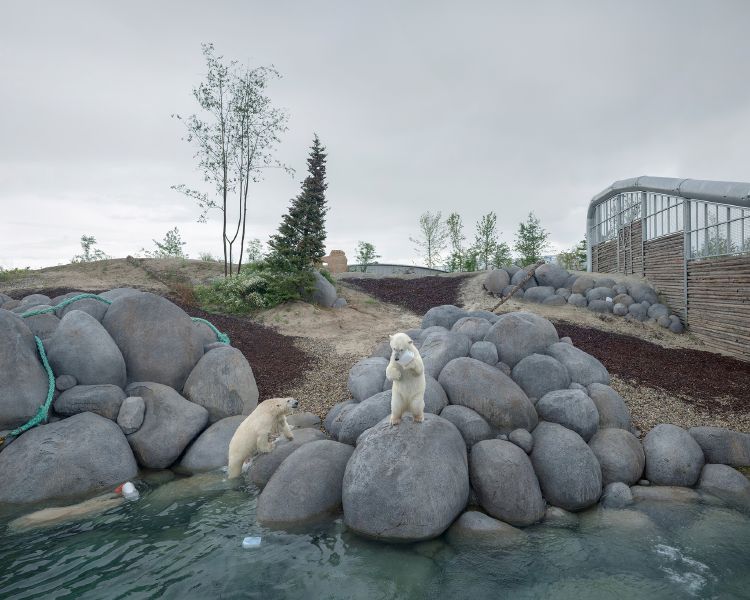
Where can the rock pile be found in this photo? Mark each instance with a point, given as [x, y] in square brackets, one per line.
[529, 431]
[554, 286]
[137, 383]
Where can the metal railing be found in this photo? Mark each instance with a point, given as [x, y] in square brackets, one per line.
[714, 215]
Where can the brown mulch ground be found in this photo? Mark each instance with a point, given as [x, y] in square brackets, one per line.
[276, 360]
[417, 295]
[701, 375]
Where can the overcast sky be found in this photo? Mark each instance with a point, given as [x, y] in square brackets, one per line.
[470, 107]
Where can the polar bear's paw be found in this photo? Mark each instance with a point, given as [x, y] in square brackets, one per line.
[394, 421]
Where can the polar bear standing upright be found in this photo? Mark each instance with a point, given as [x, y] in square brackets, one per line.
[269, 418]
[406, 371]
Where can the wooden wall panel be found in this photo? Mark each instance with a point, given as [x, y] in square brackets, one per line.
[719, 303]
[664, 267]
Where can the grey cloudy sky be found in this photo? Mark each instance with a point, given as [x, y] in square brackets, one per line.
[467, 107]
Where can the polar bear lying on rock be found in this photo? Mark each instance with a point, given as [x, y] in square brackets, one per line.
[406, 371]
[268, 419]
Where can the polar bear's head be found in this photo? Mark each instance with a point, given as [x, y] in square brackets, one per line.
[282, 406]
[400, 343]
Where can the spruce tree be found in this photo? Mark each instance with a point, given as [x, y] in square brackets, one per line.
[300, 242]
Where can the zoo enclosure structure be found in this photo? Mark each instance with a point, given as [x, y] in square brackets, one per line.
[691, 240]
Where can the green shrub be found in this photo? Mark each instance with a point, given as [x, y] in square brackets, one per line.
[7, 275]
[258, 286]
[327, 274]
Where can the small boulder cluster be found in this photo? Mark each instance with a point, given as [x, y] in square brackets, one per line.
[554, 286]
[520, 427]
[138, 384]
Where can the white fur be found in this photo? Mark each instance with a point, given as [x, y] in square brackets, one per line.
[269, 418]
[408, 379]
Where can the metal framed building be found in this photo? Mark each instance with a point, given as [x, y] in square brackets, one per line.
[691, 240]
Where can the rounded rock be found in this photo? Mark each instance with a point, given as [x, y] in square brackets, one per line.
[519, 334]
[572, 409]
[538, 374]
[504, 480]
[431, 456]
[569, 474]
[620, 456]
[673, 457]
[472, 426]
[484, 351]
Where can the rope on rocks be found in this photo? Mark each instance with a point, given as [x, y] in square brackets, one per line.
[41, 414]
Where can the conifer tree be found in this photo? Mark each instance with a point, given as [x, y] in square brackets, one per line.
[300, 242]
[532, 240]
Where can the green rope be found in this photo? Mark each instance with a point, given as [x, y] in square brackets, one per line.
[41, 414]
[221, 337]
[65, 303]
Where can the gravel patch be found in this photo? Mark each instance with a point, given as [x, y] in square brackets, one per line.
[651, 406]
[325, 380]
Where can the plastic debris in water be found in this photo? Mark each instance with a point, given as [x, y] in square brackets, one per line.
[128, 491]
[251, 542]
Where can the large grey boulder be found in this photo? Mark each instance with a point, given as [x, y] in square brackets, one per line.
[539, 294]
[572, 409]
[324, 292]
[367, 377]
[600, 306]
[655, 311]
[538, 374]
[519, 334]
[488, 391]
[472, 426]
[582, 285]
[223, 383]
[406, 483]
[555, 300]
[613, 411]
[210, 450]
[726, 483]
[620, 455]
[519, 276]
[620, 309]
[673, 457]
[599, 293]
[582, 368]
[334, 422]
[44, 325]
[551, 275]
[484, 314]
[577, 300]
[723, 446]
[205, 334]
[65, 459]
[23, 380]
[444, 316]
[33, 300]
[81, 347]
[132, 412]
[474, 528]
[435, 398]
[170, 424]
[364, 415]
[117, 293]
[438, 349]
[157, 338]
[333, 414]
[567, 469]
[504, 480]
[638, 311]
[484, 351]
[104, 400]
[640, 291]
[264, 466]
[517, 292]
[315, 473]
[92, 306]
[473, 327]
[496, 280]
